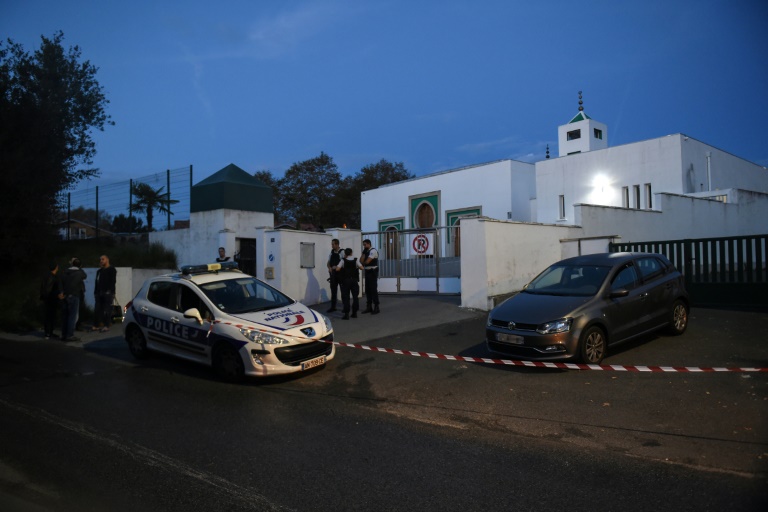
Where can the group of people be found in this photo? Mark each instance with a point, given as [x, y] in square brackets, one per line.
[344, 271]
[65, 291]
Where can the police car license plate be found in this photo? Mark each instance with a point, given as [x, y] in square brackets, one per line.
[318, 361]
[510, 338]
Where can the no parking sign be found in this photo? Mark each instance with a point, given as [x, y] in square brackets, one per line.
[422, 244]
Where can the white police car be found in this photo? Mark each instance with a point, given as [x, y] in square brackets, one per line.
[216, 315]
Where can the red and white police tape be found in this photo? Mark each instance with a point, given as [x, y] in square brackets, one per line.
[528, 364]
[561, 366]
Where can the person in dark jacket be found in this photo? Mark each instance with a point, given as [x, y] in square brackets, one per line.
[333, 277]
[370, 260]
[51, 295]
[73, 284]
[104, 293]
[349, 272]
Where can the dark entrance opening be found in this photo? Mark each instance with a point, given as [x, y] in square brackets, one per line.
[246, 258]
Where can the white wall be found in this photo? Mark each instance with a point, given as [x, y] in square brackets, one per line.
[281, 251]
[675, 164]
[505, 256]
[726, 170]
[597, 177]
[499, 187]
[210, 230]
[680, 217]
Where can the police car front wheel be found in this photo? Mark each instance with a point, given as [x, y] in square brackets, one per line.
[228, 364]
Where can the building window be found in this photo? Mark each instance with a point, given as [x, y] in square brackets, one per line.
[598, 134]
[562, 207]
[648, 197]
[636, 196]
[625, 197]
[573, 135]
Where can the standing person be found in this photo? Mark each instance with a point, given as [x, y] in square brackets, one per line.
[222, 255]
[104, 293]
[73, 284]
[349, 273]
[81, 313]
[51, 295]
[334, 277]
[370, 261]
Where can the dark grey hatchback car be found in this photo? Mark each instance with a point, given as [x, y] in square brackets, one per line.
[579, 306]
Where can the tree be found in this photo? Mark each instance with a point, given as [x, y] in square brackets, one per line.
[49, 104]
[88, 215]
[124, 224]
[371, 176]
[307, 192]
[147, 199]
[268, 179]
[313, 191]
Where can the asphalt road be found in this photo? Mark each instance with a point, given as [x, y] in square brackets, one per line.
[85, 427]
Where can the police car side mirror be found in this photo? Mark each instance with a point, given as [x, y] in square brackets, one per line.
[194, 313]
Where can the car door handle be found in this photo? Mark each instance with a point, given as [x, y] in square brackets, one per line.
[175, 319]
[144, 309]
[643, 296]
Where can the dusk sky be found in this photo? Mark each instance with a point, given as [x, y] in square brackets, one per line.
[436, 85]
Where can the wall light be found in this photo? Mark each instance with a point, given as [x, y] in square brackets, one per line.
[602, 192]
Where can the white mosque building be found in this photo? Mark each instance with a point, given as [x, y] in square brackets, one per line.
[667, 188]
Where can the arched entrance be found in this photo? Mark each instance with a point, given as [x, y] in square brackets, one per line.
[392, 243]
[425, 216]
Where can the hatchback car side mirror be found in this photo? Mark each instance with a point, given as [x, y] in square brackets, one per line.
[621, 292]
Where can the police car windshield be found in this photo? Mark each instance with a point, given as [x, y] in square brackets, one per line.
[244, 295]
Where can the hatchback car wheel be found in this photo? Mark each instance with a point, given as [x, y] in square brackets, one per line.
[592, 346]
[228, 364]
[679, 320]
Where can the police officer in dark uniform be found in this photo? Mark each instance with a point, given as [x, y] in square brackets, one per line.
[334, 278]
[370, 261]
[349, 275]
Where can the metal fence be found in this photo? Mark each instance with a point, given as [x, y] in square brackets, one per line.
[726, 271]
[418, 260]
[90, 211]
[418, 252]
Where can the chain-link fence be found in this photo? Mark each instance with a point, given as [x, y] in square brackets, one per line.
[96, 211]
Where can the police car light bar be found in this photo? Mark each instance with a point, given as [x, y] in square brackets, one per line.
[208, 267]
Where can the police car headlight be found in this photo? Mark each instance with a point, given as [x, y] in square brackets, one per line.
[263, 337]
[328, 327]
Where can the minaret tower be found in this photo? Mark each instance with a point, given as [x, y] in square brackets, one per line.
[581, 134]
